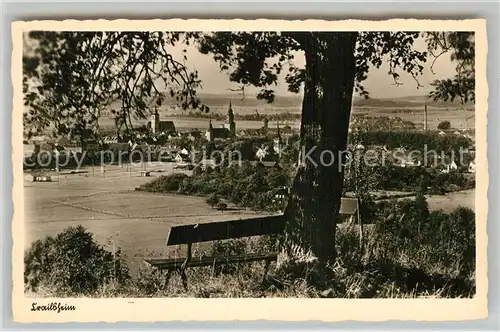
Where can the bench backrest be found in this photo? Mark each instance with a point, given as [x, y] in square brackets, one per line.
[223, 230]
[232, 229]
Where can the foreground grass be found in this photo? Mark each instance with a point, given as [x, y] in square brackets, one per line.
[375, 271]
[247, 283]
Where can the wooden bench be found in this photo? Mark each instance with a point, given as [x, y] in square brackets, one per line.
[205, 232]
[224, 230]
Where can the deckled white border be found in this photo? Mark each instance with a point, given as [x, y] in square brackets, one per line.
[327, 310]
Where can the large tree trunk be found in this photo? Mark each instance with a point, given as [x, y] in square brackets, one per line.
[316, 192]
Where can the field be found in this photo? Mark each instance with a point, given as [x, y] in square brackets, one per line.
[137, 222]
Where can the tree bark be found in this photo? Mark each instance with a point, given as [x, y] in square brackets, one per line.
[315, 195]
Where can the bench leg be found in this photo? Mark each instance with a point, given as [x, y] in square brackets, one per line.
[266, 269]
[167, 278]
[183, 274]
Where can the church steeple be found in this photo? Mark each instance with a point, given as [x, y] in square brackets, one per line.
[155, 121]
[278, 130]
[230, 114]
[230, 124]
[277, 142]
[210, 132]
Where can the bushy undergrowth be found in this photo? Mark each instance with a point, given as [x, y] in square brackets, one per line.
[72, 263]
[413, 178]
[247, 186]
[415, 140]
[255, 187]
[409, 252]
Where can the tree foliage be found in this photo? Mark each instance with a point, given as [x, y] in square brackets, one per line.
[70, 78]
[444, 125]
[258, 58]
[462, 48]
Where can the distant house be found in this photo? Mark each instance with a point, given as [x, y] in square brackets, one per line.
[409, 162]
[90, 145]
[193, 135]
[277, 145]
[348, 211]
[110, 139]
[267, 164]
[216, 133]
[29, 178]
[360, 147]
[450, 167]
[279, 195]
[472, 167]
[156, 126]
[182, 158]
[262, 152]
[166, 153]
[243, 133]
[400, 150]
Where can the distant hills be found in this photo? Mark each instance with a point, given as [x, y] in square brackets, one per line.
[407, 102]
[295, 102]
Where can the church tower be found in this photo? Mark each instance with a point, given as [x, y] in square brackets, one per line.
[265, 126]
[278, 142]
[210, 132]
[230, 124]
[155, 122]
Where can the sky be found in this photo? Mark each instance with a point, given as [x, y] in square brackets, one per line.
[379, 84]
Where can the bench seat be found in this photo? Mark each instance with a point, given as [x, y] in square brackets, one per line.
[173, 263]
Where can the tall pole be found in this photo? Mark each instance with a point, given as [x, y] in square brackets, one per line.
[425, 117]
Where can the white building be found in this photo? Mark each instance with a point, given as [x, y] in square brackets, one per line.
[261, 153]
[472, 167]
[450, 167]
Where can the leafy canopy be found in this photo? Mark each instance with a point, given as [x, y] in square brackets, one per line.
[71, 78]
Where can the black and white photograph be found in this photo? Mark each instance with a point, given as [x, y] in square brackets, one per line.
[319, 164]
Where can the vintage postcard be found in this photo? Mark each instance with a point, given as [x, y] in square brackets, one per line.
[215, 170]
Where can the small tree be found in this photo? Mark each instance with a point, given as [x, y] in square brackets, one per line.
[221, 206]
[444, 125]
[212, 200]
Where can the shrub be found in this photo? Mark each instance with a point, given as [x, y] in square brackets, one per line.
[444, 125]
[212, 200]
[413, 140]
[418, 178]
[246, 186]
[221, 206]
[407, 233]
[72, 262]
[170, 183]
